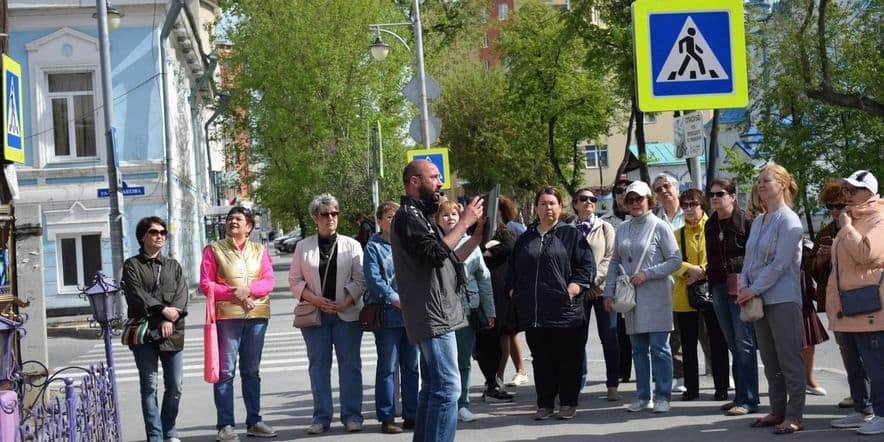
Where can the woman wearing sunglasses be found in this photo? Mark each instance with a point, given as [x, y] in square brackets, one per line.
[599, 235]
[326, 271]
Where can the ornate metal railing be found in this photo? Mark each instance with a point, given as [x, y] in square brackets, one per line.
[83, 410]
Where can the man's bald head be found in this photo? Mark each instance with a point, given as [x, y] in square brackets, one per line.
[421, 179]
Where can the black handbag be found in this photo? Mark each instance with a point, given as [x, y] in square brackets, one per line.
[371, 317]
[698, 293]
[858, 301]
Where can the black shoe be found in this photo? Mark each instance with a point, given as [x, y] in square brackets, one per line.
[408, 424]
[498, 395]
[624, 379]
[720, 395]
[689, 396]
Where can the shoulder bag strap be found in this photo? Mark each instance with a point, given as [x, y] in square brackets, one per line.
[684, 248]
[325, 273]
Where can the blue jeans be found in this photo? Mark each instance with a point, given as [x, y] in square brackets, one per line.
[871, 350]
[159, 425]
[243, 338]
[346, 337]
[607, 328]
[650, 352]
[740, 337]
[393, 347]
[440, 388]
[857, 379]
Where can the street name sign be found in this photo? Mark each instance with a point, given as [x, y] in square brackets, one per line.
[439, 157]
[104, 192]
[13, 113]
[689, 54]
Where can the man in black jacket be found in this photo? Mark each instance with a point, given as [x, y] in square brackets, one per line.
[429, 274]
[156, 293]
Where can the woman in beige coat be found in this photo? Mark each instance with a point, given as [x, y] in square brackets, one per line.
[858, 261]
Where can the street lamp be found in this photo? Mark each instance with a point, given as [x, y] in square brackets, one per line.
[380, 50]
[114, 16]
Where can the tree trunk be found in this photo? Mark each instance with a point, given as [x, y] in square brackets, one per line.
[712, 156]
[621, 169]
[640, 141]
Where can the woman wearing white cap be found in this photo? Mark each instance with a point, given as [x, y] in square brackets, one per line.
[645, 248]
[858, 264]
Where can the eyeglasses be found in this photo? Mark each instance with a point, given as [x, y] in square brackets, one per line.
[690, 204]
[719, 194]
[585, 198]
[660, 188]
[836, 206]
[634, 199]
[157, 232]
[329, 214]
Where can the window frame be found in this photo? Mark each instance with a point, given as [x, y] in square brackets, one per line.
[503, 11]
[80, 264]
[595, 150]
[69, 97]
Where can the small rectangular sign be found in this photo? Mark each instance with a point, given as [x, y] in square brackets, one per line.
[127, 191]
[13, 113]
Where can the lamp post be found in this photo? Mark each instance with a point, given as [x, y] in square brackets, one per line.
[104, 15]
[380, 50]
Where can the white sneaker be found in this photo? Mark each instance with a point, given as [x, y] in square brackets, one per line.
[873, 426]
[678, 385]
[639, 405]
[465, 415]
[661, 406]
[816, 391]
[518, 379]
[226, 434]
[852, 420]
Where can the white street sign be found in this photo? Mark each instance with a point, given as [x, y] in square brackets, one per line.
[690, 136]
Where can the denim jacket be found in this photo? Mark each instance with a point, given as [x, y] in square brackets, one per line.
[377, 265]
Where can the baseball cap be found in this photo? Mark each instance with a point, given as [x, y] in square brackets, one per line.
[863, 179]
[639, 187]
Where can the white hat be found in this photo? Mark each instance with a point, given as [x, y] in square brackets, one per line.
[863, 179]
[639, 187]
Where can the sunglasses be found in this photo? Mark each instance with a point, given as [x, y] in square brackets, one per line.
[620, 190]
[633, 200]
[157, 232]
[329, 214]
[836, 206]
[585, 198]
[719, 194]
[689, 204]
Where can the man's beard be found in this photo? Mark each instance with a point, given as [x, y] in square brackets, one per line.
[429, 195]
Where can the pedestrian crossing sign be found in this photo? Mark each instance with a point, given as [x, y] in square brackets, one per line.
[13, 118]
[439, 157]
[689, 55]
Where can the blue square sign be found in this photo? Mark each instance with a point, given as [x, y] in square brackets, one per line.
[439, 157]
[691, 53]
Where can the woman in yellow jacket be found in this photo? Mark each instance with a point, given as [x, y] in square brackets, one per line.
[691, 240]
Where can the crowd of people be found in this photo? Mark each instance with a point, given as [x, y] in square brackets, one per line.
[664, 272]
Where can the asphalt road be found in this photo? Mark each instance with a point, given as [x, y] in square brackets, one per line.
[287, 403]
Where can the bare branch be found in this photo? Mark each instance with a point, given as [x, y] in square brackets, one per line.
[821, 44]
[850, 101]
[805, 60]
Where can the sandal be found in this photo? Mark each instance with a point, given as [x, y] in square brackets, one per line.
[788, 427]
[767, 421]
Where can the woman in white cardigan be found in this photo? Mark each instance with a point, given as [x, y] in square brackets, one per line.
[326, 271]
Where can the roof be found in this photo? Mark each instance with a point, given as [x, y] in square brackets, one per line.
[728, 117]
[662, 154]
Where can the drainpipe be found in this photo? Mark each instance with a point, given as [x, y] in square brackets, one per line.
[195, 111]
[174, 9]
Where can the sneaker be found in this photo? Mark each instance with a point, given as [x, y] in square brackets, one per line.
[567, 412]
[518, 379]
[317, 429]
[639, 405]
[226, 434]
[661, 406]
[727, 406]
[816, 391]
[846, 402]
[353, 427]
[739, 410]
[497, 395]
[543, 414]
[260, 430]
[852, 420]
[613, 395]
[873, 426]
[390, 428]
[171, 439]
[678, 385]
[465, 415]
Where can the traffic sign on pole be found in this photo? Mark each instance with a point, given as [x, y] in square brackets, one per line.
[435, 127]
[439, 157]
[13, 112]
[689, 55]
[690, 136]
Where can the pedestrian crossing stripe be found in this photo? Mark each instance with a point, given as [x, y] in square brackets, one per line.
[691, 57]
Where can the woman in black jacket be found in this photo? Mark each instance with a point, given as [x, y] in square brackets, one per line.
[550, 268]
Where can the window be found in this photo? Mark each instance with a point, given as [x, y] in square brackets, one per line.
[73, 115]
[503, 11]
[79, 257]
[485, 40]
[650, 119]
[484, 14]
[596, 156]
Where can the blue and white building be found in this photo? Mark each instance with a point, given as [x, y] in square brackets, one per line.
[164, 92]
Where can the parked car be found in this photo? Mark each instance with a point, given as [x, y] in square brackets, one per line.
[278, 240]
[288, 245]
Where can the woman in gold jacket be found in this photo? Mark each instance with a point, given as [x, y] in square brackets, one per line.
[691, 239]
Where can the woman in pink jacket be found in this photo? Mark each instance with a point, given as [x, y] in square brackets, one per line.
[858, 261]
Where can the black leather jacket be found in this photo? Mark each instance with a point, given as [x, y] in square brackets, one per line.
[151, 284]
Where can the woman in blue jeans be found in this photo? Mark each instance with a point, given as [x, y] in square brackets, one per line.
[326, 271]
[392, 343]
[726, 233]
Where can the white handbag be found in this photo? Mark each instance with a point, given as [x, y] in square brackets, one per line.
[624, 291]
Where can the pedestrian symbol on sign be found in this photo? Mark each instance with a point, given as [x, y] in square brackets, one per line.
[691, 58]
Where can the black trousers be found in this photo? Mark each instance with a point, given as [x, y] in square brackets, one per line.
[557, 357]
[625, 346]
[488, 354]
[689, 329]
